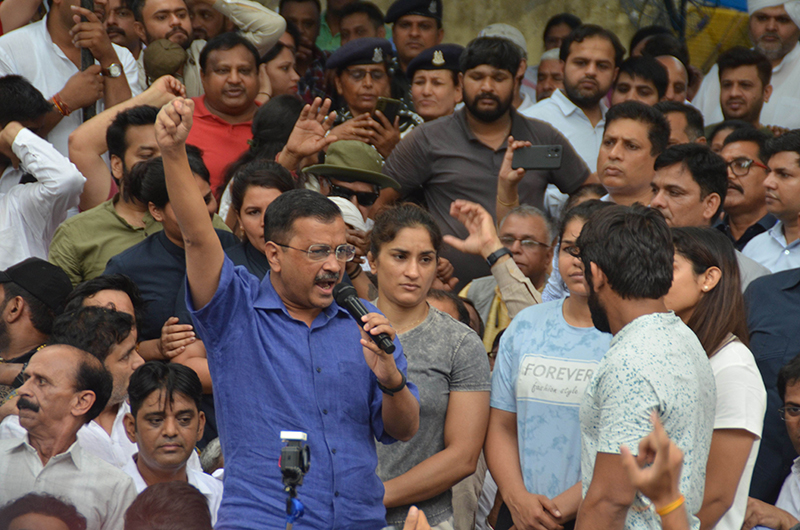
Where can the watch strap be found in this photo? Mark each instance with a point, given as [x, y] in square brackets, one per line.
[492, 258]
[398, 388]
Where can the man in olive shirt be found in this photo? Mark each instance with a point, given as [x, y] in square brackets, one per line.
[459, 156]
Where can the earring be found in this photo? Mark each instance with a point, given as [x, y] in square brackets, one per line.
[705, 287]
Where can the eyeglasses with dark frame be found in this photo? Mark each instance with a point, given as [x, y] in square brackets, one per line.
[359, 75]
[364, 198]
[741, 166]
[790, 412]
[508, 241]
[320, 252]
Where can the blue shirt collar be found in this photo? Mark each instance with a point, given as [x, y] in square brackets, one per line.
[268, 299]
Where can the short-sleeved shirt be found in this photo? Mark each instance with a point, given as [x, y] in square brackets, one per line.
[447, 161]
[542, 370]
[773, 303]
[772, 251]
[158, 267]
[273, 373]
[444, 356]
[654, 363]
[222, 142]
[741, 403]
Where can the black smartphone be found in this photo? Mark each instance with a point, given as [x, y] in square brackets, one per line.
[389, 107]
[537, 157]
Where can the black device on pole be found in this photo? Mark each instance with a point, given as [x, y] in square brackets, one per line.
[347, 297]
[87, 60]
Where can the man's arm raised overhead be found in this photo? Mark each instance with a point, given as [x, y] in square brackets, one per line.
[204, 254]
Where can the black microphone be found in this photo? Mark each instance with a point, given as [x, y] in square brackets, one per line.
[347, 297]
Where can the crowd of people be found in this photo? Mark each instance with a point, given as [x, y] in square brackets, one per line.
[579, 276]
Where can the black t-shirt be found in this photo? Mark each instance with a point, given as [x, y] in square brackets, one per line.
[158, 267]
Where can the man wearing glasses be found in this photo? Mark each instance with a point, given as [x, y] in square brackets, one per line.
[527, 237]
[285, 357]
[361, 76]
[746, 214]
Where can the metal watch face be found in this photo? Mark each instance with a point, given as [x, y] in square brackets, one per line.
[114, 70]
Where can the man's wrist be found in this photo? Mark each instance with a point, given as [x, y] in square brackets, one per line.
[395, 386]
[394, 381]
[491, 247]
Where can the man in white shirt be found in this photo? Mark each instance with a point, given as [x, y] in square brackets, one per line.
[48, 54]
[30, 213]
[170, 19]
[591, 57]
[166, 422]
[110, 336]
[774, 32]
[778, 249]
[64, 388]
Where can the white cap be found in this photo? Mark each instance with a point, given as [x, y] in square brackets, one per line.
[351, 213]
[551, 55]
[504, 31]
[792, 7]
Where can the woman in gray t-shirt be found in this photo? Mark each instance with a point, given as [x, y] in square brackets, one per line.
[447, 362]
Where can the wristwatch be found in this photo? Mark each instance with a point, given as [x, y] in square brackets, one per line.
[114, 70]
[492, 258]
[393, 391]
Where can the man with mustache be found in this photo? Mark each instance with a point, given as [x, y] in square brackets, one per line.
[745, 206]
[778, 249]
[170, 19]
[165, 422]
[283, 347]
[416, 26]
[457, 156]
[119, 24]
[224, 114]
[774, 32]
[744, 77]
[64, 388]
[591, 57]
[655, 362]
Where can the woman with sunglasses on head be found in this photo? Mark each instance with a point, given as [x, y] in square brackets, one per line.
[539, 480]
[253, 188]
[447, 362]
[706, 294]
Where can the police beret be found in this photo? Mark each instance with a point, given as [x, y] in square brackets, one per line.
[439, 57]
[369, 50]
[425, 8]
[163, 57]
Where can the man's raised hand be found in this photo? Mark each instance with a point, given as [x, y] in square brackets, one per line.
[173, 123]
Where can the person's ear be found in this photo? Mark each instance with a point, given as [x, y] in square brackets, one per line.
[711, 203]
[116, 168]
[767, 93]
[523, 65]
[381, 32]
[711, 278]
[156, 212]
[201, 424]
[338, 82]
[14, 310]
[599, 278]
[439, 36]
[272, 251]
[82, 402]
[373, 262]
[130, 427]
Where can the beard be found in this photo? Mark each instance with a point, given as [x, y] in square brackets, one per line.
[599, 315]
[773, 51]
[583, 98]
[489, 115]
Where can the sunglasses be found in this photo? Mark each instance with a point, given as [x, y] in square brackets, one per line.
[364, 198]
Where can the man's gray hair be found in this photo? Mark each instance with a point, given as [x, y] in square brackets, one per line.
[526, 210]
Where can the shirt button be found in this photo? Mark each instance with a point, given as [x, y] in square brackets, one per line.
[786, 252]
[336, 494]
[324, 411]
[319, 370]
[333, 451]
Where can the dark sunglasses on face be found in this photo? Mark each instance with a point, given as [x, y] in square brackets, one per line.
[364, 198]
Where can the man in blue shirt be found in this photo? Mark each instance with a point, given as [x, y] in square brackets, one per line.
[284, 356]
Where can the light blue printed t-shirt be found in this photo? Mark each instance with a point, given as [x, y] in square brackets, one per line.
[543, 368]
[654, 363]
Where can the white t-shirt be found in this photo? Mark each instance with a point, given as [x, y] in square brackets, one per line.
[741, 404]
